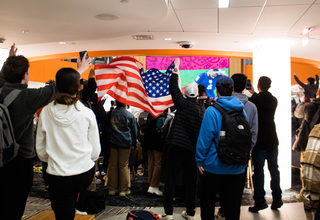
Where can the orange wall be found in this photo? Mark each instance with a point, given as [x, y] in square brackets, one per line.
[302, 70]
[42, 71]
[45, 67]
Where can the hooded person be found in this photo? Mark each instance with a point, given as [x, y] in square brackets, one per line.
[240, 81]
[217, 176]
[68, 140]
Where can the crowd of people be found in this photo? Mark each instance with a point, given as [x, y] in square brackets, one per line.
[73, 130]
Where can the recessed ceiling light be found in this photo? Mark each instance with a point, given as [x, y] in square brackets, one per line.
[25, 32]
[168, 38]
[223, 3]
[107, 17]
[62, 42]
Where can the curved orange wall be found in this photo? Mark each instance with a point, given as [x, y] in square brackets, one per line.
[44, 68]
[302, 70]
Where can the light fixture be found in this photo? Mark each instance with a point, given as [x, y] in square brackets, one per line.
[168, 38]
[62, 43]
[25, 32]
[107, 17]
[305, 34]
[143, 37]
[223, 3]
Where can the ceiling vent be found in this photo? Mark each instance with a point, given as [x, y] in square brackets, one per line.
[143, 37]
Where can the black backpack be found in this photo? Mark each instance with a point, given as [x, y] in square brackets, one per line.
[235, 137]
[8, 145]
[91, 202]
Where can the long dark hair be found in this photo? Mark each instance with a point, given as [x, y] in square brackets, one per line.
[67, 84]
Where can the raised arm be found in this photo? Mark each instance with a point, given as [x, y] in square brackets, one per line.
[83, 64]
[298, 81]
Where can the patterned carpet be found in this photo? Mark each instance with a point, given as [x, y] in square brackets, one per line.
[138, 199]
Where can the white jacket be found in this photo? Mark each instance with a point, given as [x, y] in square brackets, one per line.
[67, 139]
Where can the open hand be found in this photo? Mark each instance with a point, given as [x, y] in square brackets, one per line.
[83, 64]
[13, 50]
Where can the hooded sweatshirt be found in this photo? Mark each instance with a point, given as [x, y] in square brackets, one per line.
[67, 139]
[206, 154]
[252, 113]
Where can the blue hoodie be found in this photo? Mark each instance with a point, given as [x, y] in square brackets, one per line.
[206, 154]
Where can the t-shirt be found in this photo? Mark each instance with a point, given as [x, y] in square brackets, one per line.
[210, 84]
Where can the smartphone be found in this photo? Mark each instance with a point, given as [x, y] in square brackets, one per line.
[248, 87]
[81, 53]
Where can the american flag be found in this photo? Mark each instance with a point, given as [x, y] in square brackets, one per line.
[125, 80]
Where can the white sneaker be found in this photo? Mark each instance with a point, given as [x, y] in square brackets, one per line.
[155, 191]
[81, 213]
[166, 217]
[186, 216]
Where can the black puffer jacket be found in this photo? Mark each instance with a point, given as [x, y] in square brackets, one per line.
[187, 121]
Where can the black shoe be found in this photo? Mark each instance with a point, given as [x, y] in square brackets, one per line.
[257, 207]
[276, 204]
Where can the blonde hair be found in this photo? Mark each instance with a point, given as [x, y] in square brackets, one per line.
[67, 99]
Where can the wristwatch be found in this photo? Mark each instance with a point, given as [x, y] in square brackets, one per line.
[175, 70]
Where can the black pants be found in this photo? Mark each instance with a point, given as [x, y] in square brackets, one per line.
[44, 173]
[181, 168]
[16, 179]
[64, 190]
[230, 188]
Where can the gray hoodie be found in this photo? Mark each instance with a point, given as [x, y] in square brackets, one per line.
[252, 114]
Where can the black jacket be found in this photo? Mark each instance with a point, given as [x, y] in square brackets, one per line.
[152, 138]
[310, 91]
[187, 121]
[266, 105]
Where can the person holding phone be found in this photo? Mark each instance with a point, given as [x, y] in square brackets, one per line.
[311, 88]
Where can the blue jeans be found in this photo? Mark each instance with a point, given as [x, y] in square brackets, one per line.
[258, 158]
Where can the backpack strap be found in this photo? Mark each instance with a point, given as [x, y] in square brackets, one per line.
[11, 97]
[219, 108]
[222, 111]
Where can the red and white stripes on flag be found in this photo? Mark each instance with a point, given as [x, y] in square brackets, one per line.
[121, 80]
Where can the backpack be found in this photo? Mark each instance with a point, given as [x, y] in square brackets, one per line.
[8, 145]
[143, 119]
[91, 202]
[166, 128]
[159, 123]
[142, 215]
[235, 137]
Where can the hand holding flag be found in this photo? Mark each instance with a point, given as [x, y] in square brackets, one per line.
[124, 79]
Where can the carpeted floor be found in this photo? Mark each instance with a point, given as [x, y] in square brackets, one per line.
[140, 198]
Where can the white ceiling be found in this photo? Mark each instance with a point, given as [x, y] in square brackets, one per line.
[233, 29]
